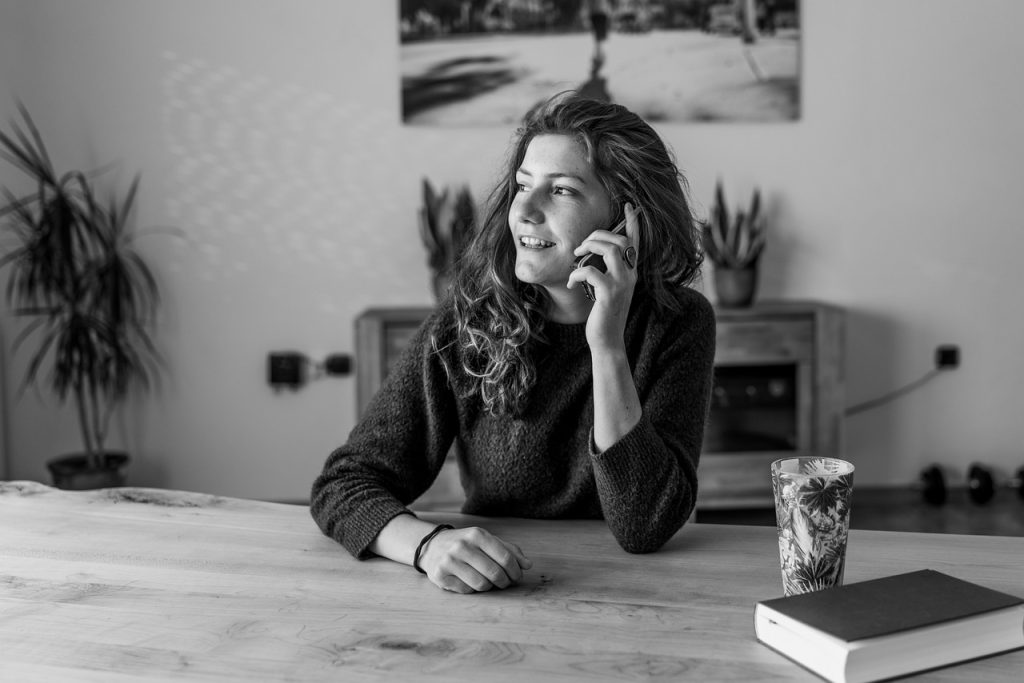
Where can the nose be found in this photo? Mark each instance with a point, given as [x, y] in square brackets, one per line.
[526, 207]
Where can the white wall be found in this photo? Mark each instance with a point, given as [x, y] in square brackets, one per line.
[269, 131]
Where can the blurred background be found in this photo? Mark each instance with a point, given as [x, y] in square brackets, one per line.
[271, 133]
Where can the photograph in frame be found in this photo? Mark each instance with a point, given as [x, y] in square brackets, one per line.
[487, 62]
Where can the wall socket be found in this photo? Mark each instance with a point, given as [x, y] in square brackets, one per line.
[947, 356]
[292, 369]
[338, 364]
[286, 369]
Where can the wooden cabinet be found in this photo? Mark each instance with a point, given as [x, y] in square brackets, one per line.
[381, 334]
[778, 393]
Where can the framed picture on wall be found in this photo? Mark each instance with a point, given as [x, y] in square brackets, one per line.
[487, 62]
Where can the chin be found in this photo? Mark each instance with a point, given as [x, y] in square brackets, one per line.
[542, 275]
[525, 272]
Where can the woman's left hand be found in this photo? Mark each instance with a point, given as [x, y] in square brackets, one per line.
[613, 290]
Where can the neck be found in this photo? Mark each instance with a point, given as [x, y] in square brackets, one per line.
[568, 306]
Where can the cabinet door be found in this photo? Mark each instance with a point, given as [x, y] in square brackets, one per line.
[806, 339]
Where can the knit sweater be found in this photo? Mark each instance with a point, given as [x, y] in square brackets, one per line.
[541, 463]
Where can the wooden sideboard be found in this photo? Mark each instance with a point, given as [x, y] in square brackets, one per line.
[791, 350]
[779, 370]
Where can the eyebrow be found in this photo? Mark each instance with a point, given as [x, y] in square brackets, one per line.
[571, 176]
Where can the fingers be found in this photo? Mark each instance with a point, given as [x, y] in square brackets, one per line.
[521, 558]
[611, 245]
[633, 224]
[473, 560]
[600, 239]
[618, 276]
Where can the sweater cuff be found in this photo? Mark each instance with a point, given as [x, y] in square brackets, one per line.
[366, 524]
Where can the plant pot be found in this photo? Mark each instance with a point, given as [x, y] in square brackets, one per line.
[735, 287]
[75, 473]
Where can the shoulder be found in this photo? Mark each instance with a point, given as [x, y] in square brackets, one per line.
[694, 304]
[436, 321]
[689, 314]
[683, 332]
[673, 344]
[437, 337]
[442, 324]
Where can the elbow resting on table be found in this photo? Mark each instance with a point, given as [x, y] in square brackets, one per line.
[641, 548]
[642, 544]
[651, 538]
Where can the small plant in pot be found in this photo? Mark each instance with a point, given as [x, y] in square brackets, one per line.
[447, 224]
[89, 297]
[734, 244]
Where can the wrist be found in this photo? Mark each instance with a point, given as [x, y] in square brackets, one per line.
[610, 355]
[417, 556]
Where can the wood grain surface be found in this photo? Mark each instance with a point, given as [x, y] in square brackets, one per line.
[146, 584]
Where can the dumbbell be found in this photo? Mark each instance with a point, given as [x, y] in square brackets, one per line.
[933, 485]
[981, 483]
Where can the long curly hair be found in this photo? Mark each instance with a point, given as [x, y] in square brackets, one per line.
[498, 318]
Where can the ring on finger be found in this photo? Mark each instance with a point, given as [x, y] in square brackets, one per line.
[629, 256]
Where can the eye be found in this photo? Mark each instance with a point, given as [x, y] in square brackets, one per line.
[563, 190]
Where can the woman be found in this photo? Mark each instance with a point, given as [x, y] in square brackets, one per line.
[559, 405]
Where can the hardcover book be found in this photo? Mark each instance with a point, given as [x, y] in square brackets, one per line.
[892, 626]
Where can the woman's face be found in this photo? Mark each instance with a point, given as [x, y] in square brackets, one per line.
[559, 202]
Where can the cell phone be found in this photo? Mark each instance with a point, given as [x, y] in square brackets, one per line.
[597, 261]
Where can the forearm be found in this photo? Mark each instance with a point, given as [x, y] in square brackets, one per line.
[616, 403]
[645, 493]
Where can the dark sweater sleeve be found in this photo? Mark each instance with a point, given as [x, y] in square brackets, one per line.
[647, 481]
[393, 454]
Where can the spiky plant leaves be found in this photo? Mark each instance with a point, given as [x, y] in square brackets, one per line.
[734, 242]
[89, 296]
[447, 223]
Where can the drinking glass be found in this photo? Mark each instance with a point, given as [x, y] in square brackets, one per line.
[812, 512]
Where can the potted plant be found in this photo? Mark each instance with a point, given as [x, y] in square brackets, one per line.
[447, 223]
[89, 297]
[734, 244]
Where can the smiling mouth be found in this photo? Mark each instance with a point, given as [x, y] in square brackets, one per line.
[535, 243]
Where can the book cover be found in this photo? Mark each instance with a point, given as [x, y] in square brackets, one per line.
[891, 626]
[869, 609]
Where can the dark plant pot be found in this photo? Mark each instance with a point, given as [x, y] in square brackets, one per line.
[735, 287]
[75, 473]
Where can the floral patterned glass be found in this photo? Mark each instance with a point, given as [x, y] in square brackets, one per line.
[812, 509]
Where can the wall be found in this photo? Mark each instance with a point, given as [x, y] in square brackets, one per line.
[269, 131]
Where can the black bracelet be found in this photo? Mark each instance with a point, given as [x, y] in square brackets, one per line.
[426, 539]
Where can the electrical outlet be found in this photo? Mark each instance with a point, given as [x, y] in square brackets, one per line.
[947, 356]
[338, 364]
[286, 369]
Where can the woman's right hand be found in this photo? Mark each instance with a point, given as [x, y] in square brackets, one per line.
[472, 560]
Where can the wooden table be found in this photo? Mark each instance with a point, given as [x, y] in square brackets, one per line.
[142, 584]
